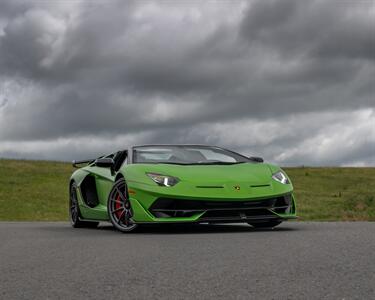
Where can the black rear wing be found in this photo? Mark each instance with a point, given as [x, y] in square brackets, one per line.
[76, 163]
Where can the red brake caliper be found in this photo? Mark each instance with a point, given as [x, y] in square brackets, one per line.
[117, 206]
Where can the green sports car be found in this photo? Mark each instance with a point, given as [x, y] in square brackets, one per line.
[179, 184]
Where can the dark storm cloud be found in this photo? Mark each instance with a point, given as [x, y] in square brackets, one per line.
[168, 71]
[323, 29]
[9, 9]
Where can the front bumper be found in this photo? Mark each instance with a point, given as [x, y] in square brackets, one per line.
[187, 210]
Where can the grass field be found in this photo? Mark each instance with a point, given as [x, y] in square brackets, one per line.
[37, 190]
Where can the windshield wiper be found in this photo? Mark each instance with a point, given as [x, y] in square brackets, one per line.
[202, 163]
[218, 163]
[172, 163]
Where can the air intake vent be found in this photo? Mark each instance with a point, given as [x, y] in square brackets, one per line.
[170, 207]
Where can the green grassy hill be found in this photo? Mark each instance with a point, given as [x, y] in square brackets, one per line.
[38, 190]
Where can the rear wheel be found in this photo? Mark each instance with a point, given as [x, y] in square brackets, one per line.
[120, 211]
[74, 213]
[265, 224]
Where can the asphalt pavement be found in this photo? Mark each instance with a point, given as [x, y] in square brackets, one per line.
[297, 260]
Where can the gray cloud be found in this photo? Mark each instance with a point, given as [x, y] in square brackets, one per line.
[79, 73]
[323, 29]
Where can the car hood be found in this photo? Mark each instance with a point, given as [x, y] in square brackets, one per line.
[252, 173]
[237, 181]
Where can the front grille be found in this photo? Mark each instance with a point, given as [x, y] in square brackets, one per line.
[215, 210]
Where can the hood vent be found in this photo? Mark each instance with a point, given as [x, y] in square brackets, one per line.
[259, 185]
[209, 187]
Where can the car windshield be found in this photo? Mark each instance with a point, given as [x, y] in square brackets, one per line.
[186, 155]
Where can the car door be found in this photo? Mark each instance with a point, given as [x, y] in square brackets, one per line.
[105, 177]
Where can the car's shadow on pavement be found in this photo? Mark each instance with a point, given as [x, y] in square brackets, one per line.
[107, 228]
[197, 228]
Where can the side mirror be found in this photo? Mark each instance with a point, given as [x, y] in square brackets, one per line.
[104, 162]
[256, 159]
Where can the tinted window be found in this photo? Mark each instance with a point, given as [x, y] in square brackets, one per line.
[186, 155]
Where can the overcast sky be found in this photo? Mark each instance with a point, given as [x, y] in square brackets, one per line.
[292, 81]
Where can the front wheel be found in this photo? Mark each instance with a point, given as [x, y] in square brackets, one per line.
[120, 211]
[265, 224]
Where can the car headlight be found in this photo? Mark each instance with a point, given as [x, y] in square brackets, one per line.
[281, 177]
[163, 180]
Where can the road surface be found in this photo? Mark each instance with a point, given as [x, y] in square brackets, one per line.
[298, 260]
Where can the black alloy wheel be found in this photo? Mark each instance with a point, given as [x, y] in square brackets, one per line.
[74, 213]
[119, 207]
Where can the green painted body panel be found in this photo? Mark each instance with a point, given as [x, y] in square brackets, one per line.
[104, 182]
[197, 182]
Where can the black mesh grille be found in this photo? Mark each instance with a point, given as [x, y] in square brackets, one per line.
[170, 207]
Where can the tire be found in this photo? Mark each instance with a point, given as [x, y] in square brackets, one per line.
[265, 224]
[74, 213]
[119, 207]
